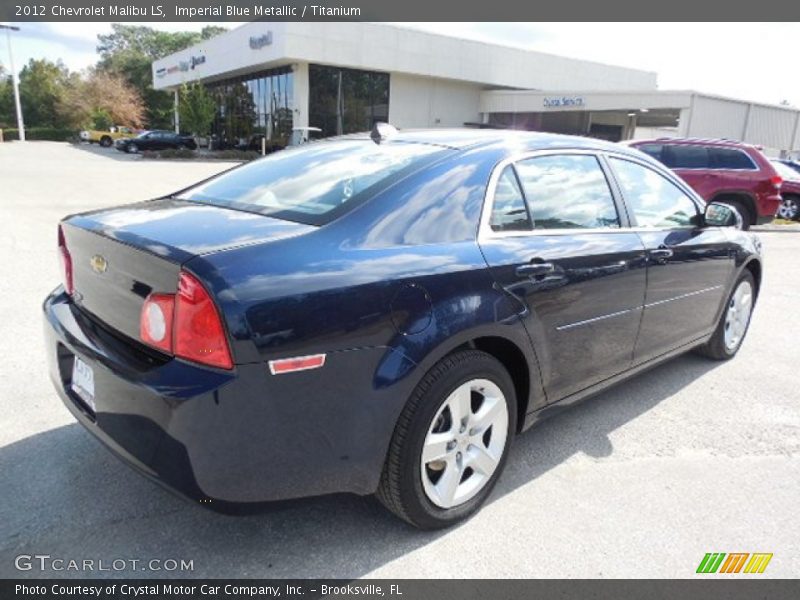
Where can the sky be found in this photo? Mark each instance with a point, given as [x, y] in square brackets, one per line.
[750, 61]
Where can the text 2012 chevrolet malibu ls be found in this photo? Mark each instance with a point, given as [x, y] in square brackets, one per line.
[384, 313]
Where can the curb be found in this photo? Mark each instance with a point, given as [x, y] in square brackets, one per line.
[776, 228]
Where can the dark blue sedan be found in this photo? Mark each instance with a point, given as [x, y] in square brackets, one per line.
[383, 313]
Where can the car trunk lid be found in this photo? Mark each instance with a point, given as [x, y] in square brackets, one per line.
[121, 255]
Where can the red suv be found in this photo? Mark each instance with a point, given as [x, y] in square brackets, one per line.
[724, 171]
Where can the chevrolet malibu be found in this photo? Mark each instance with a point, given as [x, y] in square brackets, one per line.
[383, 313]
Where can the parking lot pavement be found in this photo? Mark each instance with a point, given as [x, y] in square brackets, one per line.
[641, 481]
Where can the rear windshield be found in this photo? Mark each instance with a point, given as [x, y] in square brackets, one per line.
[316, 183]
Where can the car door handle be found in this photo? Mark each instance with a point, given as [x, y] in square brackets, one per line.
[661, 254]
[535, 269]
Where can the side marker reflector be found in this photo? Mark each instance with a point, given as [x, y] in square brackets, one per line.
[298, 363]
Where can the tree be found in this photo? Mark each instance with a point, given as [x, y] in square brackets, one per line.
[8, 116]
[137, 40]
[42, 84]
[129, 51]
[102, 99]
[197, 109]
[119, 90]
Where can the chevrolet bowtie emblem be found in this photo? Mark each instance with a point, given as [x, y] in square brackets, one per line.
[99, 264]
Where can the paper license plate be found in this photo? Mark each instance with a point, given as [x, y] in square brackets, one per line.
[83, 382]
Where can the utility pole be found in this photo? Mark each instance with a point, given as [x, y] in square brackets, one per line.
[20, 122]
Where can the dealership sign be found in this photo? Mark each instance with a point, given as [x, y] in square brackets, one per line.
[182, 66]
[563, 101]
[259, 41]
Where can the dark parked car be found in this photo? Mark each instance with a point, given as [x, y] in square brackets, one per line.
[156, 140]
[383, 314]
[723, 171]
[792, 164]
[790, 191]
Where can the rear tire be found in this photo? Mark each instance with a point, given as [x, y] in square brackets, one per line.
[451, 441]
[790, 208]
[734, 321]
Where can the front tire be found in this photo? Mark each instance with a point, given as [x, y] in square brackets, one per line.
[734, 321]
[106, 141]
[451, 441]
[132, 149]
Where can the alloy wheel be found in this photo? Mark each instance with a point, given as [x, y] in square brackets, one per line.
[789, 209]
[737, 316]
[465, 443]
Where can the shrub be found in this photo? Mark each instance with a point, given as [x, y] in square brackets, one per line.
[234, 155]
[170, 153]
[184, 153]
[51, 134]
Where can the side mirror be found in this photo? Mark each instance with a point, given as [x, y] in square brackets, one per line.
[722, 215]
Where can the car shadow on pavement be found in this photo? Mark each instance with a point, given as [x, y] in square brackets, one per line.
[65, 496]
[110, 152]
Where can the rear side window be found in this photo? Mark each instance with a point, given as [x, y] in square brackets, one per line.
[654, 200]
[567, 192]
[685, 157]
[508, 210]
[315, 183]
[729, 158]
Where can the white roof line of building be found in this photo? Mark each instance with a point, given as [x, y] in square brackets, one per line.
[639, 92]
[403, 27]
[745, 101]
[511, 47]
[575, 92]
[492, 64]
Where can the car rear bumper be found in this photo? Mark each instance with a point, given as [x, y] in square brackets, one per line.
[230, 437]
[767, 208]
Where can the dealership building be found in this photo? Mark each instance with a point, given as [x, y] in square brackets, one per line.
[268, 78]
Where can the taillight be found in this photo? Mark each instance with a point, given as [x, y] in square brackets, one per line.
[186, 324]
[199, 334]
[155, 324]
[66, 262]
[776, 180]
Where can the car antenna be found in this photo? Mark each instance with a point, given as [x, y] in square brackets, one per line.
[382, 131]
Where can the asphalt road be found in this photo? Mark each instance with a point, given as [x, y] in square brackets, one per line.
[641, 481]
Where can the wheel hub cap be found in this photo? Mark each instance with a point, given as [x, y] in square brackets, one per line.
[788, 209]
[737, 315]
[465, 443]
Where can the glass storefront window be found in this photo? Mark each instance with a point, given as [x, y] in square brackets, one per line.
[253, 107]
[346, 100]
